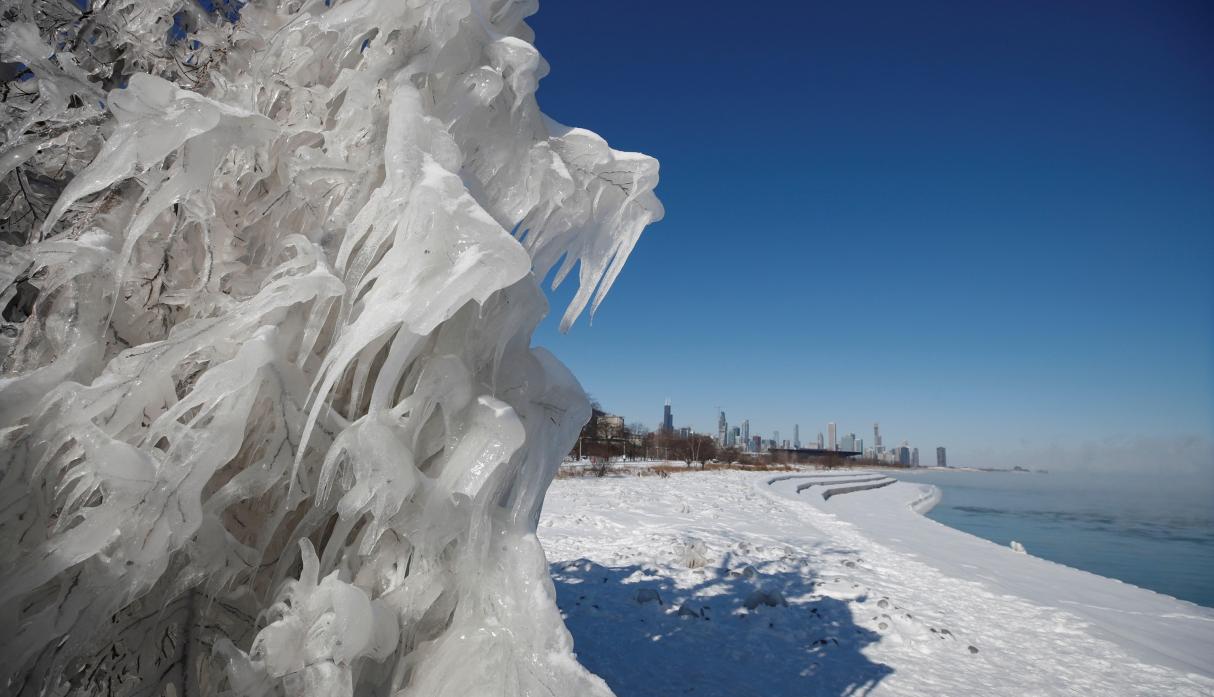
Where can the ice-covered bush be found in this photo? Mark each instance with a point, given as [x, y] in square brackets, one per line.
[270, 418]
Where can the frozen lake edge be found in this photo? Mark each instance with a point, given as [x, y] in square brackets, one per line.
[916, 616]
[1153, 626]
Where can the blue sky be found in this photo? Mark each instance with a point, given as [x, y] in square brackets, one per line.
[988, 226]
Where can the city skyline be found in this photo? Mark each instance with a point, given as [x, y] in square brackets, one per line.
[728, 434]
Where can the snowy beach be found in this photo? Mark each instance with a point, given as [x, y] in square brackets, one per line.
[754, 583]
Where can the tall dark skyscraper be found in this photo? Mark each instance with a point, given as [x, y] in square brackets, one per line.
[667, 418]
[877, 437]
[941, 458]
[722, 429]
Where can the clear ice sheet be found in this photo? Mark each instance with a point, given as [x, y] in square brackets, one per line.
[270, 418]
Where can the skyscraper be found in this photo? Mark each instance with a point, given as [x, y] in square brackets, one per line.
[820, 440]
[667, 419]
[914, 457]
[746, 434]
[796, 435]
[941, 459]
[848, 443]
[877, 437]
[830, 436]
[722, 429]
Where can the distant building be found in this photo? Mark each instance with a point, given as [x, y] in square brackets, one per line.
[941, 458]
[877, 437]
[667, 418]
[820, 441]
[756, 444]
[611, 426]
[848, 443]
[775, 439]
[796, 435]
[746, 434]
[722, 430]
[830, 435]
[685, 432]
[914, 457]
[903, 455]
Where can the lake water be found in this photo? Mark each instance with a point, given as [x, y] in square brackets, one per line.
[1153, 532]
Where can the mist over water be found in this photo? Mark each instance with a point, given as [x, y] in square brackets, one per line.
[1152, 531]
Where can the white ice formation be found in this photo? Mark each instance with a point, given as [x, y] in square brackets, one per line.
[270, 419]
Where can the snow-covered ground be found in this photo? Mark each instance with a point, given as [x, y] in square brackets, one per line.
[721, 583]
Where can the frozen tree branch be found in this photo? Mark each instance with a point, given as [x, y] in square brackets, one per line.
[270, 419]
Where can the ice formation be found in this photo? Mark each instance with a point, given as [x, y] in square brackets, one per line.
[270, 419]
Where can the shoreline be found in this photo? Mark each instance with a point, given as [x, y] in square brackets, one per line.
[1155, 627]
[718, 583]
[1153, 534]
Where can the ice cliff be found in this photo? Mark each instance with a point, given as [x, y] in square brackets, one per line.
[270, 418]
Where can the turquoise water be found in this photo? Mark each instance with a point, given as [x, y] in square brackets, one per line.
[1153, 532]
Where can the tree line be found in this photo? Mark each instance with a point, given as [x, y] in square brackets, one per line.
[606, 437]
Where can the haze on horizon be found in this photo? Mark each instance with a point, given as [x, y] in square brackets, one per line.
[989, 228]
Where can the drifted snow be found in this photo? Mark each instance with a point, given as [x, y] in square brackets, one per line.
[273, 423]
[879, 600]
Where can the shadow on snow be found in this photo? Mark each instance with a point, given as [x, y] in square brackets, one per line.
[705, 640]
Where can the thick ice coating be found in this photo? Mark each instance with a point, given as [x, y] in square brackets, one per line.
[270, 417]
